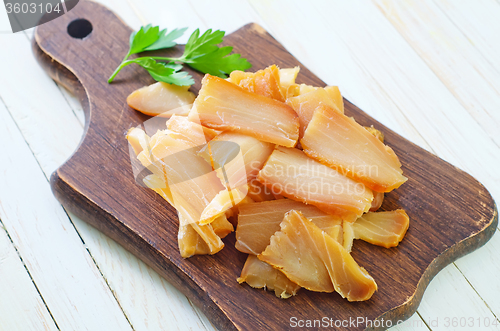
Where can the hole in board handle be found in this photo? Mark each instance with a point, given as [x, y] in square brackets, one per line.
[79, 28]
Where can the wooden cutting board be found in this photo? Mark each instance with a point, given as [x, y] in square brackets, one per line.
[451, 213]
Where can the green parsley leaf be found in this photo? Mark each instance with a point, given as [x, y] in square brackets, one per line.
[146, 36]
[177, 78]
[166, 40]
[203, 54]
[165, 72]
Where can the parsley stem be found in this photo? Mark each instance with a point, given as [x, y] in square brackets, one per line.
[126, 62]
[170, 59]
[120, 67]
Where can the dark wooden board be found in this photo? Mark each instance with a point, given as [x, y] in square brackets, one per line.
[451, 213]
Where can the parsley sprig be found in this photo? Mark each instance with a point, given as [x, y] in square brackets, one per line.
[201, 53]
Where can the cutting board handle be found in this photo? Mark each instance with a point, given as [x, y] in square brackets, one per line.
[83, 39]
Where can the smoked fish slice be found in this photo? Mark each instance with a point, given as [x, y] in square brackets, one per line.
[342, 144]
[191, 180]
[312, 259]
[224, 106]
[378, 199]
[191, 239]
[259, 274]
[190, 242]
[206, 234]
[182, 128]
[287, 77]
[258, 192]
[265, 82]
[257, 222]
[138, 139]
[305, 105]
[385, 229]
[223, 152]
[291, 173]
[161, 99]
[337, 98]
[347, 236]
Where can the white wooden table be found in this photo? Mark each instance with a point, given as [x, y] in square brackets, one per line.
[430, 70]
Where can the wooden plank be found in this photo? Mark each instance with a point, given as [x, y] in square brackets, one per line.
[470, 316]
[481, 269]
[472, 77]
[414, 323]
[35, 102]
[63, 271]
[478, 22]
[194, 276]
[146, 298]
[227, 15]
[149, 301]
[19, 295]
[375, 68]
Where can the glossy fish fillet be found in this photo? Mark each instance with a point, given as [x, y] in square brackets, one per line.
[190, 242]
[138, 139]
[222, 227]
[189, 177]
[384, 229]
[287, 77]
[259, 192]
[224, 106]
[259, 274]
[339, 142]
[232, 214]
[264, 82]
[206, 234]
[267, 83]
[377, 133]
[378, 200]
[196, 190]
[305, 105]
[292, 173]
[348, 236]
[314, 260]
[236, 157]
[159, 99]
[158, 185]
[337, 98]
[182, 128]
[337, 233]
[223, 201]
[378, 197]
[257, 222]
[191, 237]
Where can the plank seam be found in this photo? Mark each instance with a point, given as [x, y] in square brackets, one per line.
[136, 11]
[197, 312]
[29, 274]
[463, 34]
[467, 280]
[423, 320]
[435, 73]
[62, 94]
[485, 303]
[71, 222]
